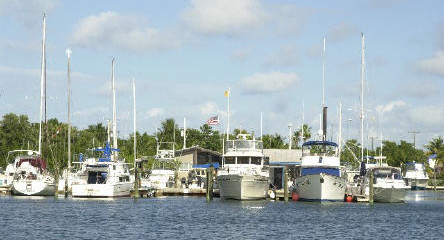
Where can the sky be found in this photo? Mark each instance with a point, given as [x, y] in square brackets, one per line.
[184, 55]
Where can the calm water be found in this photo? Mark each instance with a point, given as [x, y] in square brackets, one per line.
[422, 216]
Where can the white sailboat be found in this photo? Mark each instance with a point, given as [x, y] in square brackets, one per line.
[105, 176]
[243, 176]
[31, 178]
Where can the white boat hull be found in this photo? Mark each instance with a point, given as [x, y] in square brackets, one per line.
[416, 184]
[321, 187]
[389, 195]
[243, 187]
[33, 188]
[102, 190]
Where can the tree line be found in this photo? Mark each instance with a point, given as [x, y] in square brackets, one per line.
[17, 132]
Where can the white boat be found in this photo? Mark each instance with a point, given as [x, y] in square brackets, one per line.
[162, 174]
[243, 175]
[106, 176]
[5, 181]
[388, 184]
[415, 176]
[31, 177]
[321, 177]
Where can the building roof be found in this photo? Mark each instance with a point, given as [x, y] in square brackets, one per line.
[189, 150]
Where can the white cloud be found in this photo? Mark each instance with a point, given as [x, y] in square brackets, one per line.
[209, 109]
[389, 107]
[226, 17]
[155, 112]
[433, 65]
[341, 31]
[268, 82]
[289, 19]
[27, 11]
[124, 31]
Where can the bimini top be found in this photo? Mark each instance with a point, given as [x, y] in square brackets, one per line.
[327, 143]
[107, 151]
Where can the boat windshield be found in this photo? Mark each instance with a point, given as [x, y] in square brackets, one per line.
[318, 170]
[243, 145]
[387, 173]
[319, 150]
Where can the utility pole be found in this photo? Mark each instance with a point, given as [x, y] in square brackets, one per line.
[414, 138]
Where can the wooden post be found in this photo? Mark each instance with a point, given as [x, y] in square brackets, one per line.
[209, 190]
[285, 184]
[136, 181]
[434, 177]
[370, 197]
[211, 181]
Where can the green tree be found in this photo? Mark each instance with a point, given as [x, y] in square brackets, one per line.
[16, 132]
[351, 153]
[275, 141]
[297, 136]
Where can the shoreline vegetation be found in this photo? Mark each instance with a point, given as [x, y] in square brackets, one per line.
[17, 132]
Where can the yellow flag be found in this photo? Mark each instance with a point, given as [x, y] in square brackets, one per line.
[227, 93]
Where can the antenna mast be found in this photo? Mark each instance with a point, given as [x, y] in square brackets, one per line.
[323, 75]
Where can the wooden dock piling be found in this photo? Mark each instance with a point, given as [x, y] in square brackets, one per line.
[209, 189]
[371, 189]
[285, 184]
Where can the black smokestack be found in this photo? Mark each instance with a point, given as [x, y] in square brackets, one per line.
[324, 124]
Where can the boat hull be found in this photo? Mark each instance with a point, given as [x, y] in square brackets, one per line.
[33, 188]
[101, 190]
[389, 195]
[243, 187]
[416, 184]
[320, 187]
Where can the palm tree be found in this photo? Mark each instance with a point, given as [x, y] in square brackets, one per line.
[436, 146]
[297, 136]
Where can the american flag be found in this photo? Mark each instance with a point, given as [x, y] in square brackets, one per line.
[213, 120]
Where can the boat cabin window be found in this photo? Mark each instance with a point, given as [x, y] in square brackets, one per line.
[256, 160]
[319, 150]
[229, 160]
[97, 177]
[387, 173]
[114, 167]
[318, 170]
[243, 160]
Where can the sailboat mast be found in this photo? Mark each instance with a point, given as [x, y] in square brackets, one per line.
[42, 83]
[134, 122]
[185, 133]
[362, 95]
[340, 130]
[68, 53]
[114, 109]
[228, 115]
[261, 125]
